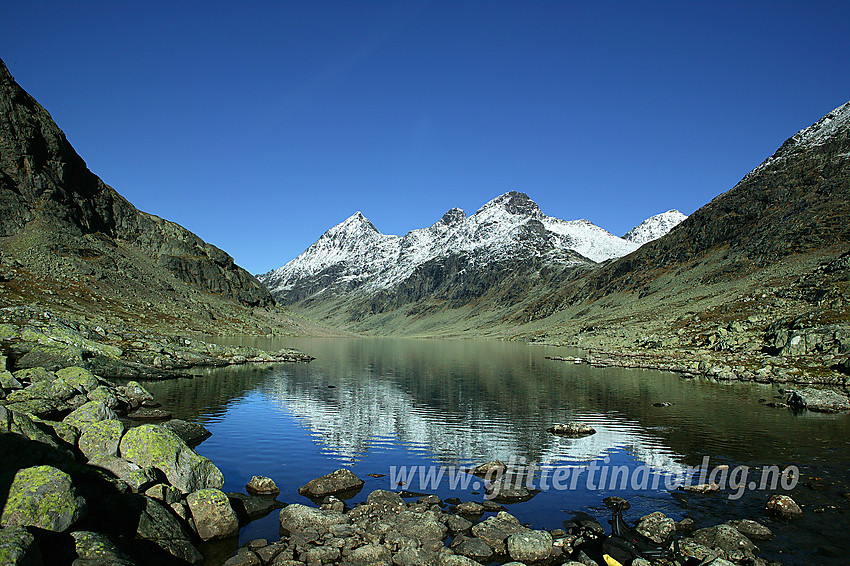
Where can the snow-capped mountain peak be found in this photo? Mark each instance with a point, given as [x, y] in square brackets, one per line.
[654, 227]
[354, 256]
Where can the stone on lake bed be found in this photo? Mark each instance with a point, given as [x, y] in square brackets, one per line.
[261, 485]
[334, 483]
[572, 430]
[493, 469]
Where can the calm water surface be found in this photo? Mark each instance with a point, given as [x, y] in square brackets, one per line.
[371, 404]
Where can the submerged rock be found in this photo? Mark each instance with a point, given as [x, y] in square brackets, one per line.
[783, 506]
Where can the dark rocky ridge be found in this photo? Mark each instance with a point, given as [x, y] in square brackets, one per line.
[46, 188]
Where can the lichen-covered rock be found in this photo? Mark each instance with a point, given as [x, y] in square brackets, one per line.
[213, 515]
[532, 546]
[18, 548]
[101, 439]
[136, 393]
[34, 375]
[753, 530]
[159, 525]
[105, 395]
[8, 381]
[336, 482]
[100, 549]
[91, 412]
[152, 445]
[371, 555]
[43, 497]
[80, 379]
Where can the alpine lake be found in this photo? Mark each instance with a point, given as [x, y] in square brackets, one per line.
[401, 409]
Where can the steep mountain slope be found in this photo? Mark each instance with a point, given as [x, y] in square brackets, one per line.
[70, 242]
[654, 227]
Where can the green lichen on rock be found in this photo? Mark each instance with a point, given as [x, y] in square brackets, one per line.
[91, 412]
[34, 375]
[104, 394]
[7, 332]
[153, 445]
[80, 379]
[43, 497]
[8, 381]
[18, 548]
[213, 515]
[101, 439]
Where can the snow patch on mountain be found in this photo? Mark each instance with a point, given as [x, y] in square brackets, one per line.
[654, 227]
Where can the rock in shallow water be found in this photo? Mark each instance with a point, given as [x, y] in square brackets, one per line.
[783, 506]
[334, 483]
[213, 515]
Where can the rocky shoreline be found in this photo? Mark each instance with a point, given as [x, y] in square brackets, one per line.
[92, 486]
[30, 339]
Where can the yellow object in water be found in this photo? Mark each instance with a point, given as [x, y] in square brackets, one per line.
[611, 561]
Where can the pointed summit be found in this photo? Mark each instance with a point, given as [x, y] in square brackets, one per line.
[654, 227]
[514, 202]
[353, 226]
[453, 216]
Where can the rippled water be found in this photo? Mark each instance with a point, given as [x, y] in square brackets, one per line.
[371, 404]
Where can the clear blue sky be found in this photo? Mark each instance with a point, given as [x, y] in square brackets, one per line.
[259, 126]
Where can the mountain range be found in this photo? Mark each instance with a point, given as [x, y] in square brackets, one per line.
[354, 258]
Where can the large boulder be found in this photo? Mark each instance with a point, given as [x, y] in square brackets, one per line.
[656, 526]
[339, 481]
[43, 497]
[213, 515]
[18, 548]
[820, 400]
[152, 445]
[159, 525]
[101, 439]
[91, 412]
[76, 378]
